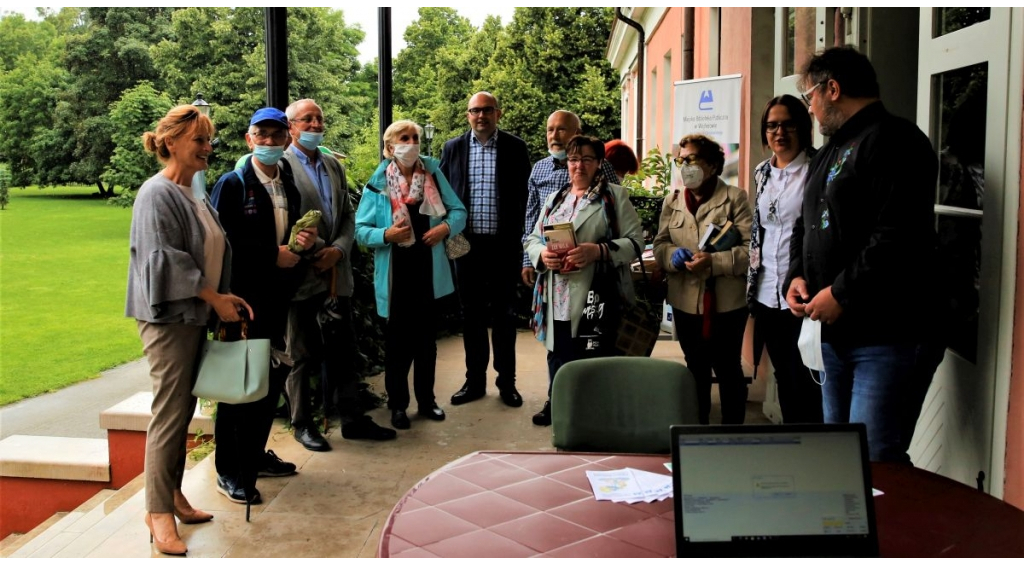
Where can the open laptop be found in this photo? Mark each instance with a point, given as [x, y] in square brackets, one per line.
[772, 490]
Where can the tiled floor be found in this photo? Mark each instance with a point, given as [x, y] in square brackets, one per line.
[336, 504]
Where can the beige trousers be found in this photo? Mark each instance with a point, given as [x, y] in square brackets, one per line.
[173, 353]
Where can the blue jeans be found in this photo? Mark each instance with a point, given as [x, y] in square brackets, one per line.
[868, 385]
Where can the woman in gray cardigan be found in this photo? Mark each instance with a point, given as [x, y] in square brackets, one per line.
[178, 272]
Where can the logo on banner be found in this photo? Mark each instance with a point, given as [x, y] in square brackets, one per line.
[707, 101]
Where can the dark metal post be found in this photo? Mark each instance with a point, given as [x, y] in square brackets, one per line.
[384, 71]
[641, 70]
[275, 36]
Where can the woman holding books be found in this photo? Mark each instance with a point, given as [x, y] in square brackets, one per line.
[596, 226]
[778, 194]
[702, 244]
[407, 211]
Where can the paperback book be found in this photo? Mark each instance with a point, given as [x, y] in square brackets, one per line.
[560, 239]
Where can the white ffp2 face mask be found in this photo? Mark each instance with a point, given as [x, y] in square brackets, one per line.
[692, 176]
[809, 344]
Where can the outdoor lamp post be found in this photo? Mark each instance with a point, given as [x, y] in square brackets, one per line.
[428, 131]
[199, 179]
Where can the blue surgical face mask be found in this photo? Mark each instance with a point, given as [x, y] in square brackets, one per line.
[268, 154]
[559, 155]
[310, 139]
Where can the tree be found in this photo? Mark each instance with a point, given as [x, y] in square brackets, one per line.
[21, 37]
[458, 66]
[111, 55]
[29, 92]
[552, 58]
[137, 111]
[416, 66]
[220, 52]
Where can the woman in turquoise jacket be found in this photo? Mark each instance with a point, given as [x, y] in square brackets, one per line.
[407, 211]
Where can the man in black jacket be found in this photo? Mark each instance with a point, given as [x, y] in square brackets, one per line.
[488, 169]
[863, 249]
[258, 204]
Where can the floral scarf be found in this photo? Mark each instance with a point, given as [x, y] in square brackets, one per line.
[423, 189]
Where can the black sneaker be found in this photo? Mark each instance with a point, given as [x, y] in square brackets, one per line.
[274, 467]
[230, 488]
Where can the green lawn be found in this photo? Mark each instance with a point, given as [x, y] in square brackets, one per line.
[63, 272]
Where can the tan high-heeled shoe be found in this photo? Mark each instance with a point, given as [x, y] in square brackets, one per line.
[191, 516]
[187, 514]
[174, 545]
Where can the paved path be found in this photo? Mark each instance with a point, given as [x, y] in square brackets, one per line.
[75, 411]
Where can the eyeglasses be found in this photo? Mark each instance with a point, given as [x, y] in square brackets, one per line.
[687, 160]
[277, 136]
[313, 119]
[486, 110]
[773, 126]
[806, 96]
[582, 160]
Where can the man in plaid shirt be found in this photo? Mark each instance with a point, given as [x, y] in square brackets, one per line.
[551, 173]
[487, 168]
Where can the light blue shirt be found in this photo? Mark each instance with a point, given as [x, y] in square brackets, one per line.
[317, 173]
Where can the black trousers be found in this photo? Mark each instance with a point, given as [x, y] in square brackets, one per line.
[411, 334]
[340, 381]
[242, 430]
[799, 394]
[487, 278]
[722, 354]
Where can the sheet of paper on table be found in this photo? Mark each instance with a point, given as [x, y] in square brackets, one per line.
[629, 485]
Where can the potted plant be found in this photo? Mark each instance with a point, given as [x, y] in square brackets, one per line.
[647, 189]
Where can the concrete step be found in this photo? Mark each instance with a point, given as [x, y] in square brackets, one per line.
[115, 527]
[55, 524]
[56, 532]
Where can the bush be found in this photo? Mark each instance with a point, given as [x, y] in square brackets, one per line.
[5, 186]
[647, 189]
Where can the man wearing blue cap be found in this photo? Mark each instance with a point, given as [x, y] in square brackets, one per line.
[322, 186]
[258, 204]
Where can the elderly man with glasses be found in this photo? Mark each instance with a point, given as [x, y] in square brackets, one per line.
[258, 204]
[322, 186]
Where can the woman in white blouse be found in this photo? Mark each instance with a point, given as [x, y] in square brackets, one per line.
[779, 190]
[178, 275]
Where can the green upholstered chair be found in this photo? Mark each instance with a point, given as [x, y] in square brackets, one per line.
[621, 404]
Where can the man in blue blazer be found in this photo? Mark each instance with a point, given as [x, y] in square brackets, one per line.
[489, 169]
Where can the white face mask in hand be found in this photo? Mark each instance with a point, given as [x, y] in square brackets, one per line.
[809, 344]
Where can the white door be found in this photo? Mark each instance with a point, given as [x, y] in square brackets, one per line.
[963, 74]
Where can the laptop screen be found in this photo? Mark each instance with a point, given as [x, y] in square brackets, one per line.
[774, 490]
